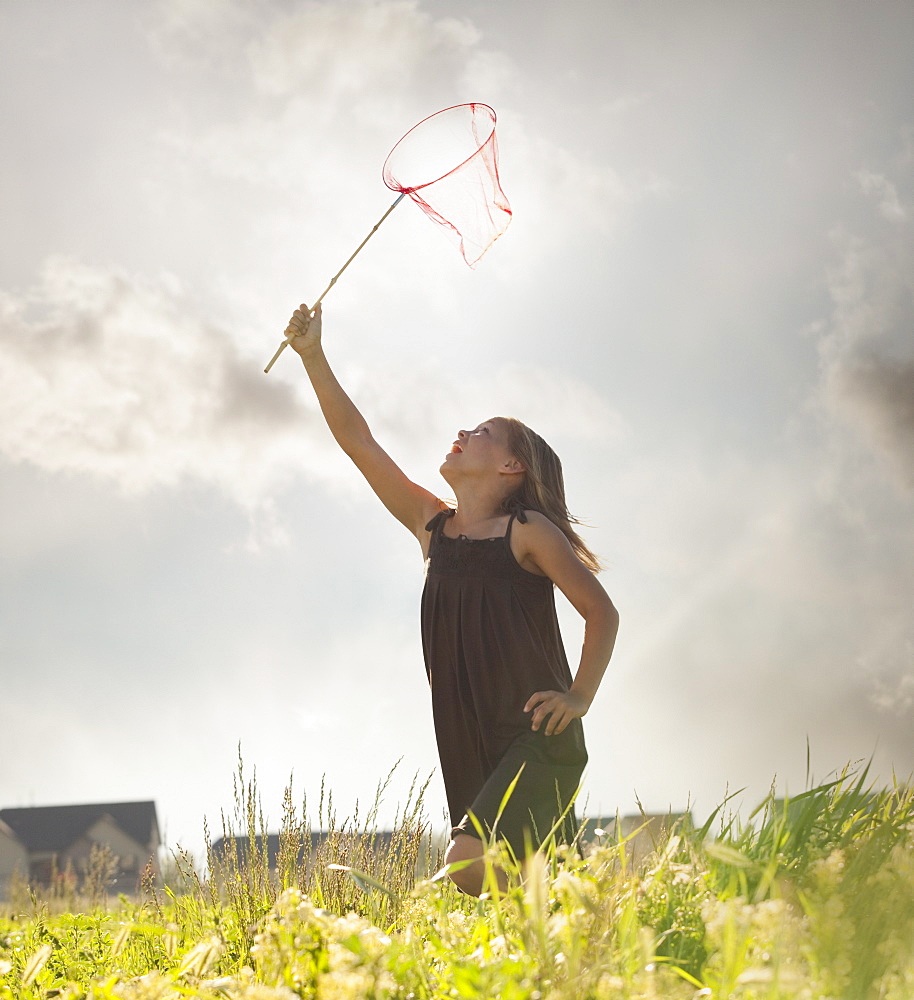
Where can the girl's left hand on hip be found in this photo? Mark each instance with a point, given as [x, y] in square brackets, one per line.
[560, 706]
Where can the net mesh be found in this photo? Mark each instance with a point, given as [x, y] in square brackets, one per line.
[448, 165]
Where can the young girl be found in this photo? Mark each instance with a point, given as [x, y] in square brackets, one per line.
[503, 698]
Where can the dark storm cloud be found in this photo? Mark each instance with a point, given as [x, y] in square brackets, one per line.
[880, 391]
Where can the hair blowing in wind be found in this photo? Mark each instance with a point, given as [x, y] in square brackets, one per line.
[543, 487]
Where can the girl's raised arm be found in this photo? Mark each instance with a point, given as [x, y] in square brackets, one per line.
[409, 503]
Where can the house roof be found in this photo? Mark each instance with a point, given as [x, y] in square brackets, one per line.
[55, 828]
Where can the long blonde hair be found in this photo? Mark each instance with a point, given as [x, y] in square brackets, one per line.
[543, 487]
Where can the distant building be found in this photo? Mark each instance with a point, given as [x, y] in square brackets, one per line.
[45, 839]
[642, 833]
[14, 858]
[225, 849]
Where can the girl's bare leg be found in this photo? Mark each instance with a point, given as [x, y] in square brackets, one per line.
[471, 879]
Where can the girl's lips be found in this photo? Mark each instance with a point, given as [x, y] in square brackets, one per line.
[456, 449]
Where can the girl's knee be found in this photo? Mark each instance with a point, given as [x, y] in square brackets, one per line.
[463, 848]
[468, 877]
[469, 880]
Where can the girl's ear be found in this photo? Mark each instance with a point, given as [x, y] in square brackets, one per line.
[512, 467]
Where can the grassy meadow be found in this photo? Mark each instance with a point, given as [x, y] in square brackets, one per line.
[811, 897]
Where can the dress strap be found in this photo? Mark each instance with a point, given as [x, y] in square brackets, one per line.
[438, 518]
[521, 516]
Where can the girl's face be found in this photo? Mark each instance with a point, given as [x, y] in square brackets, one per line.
[483, 449]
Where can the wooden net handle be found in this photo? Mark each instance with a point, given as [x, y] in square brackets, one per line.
[285, 343]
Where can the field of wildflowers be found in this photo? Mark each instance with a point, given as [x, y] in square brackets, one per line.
[811, 897]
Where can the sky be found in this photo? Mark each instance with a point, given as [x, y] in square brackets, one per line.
[704, 302]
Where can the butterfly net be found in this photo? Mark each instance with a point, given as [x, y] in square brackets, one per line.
[448, 165]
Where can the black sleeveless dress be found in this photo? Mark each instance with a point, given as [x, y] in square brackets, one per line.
[491, 638]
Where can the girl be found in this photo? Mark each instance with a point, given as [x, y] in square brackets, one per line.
[502, 694]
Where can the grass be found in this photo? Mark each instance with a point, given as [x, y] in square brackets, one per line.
[810, 897]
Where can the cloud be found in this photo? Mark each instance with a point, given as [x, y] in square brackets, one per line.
[877, 395]
[757, 613]
[350, 61]
[867, 347]
[785, 580]
[322, 93]
[119, 377]
[328, 84]
[892, 688]
[144, 380]
[879, 186]
[358, 49]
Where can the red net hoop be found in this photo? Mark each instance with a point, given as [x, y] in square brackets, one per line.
[448, 165]
[452, 158]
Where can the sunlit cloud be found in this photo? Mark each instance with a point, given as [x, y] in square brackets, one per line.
[119, 378]
[116, 376]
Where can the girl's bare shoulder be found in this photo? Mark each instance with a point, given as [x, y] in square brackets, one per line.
[537, 526]
[536, 541]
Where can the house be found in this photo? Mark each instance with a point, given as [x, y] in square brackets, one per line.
[225, 851]
[642, 832]
[225, 848]
[14, 859]
[55, 838]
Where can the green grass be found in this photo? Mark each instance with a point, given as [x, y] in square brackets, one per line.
[810, 897]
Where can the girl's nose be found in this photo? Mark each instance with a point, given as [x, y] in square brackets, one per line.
[461, 434]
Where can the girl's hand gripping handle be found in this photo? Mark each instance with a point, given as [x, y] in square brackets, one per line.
[303, 334]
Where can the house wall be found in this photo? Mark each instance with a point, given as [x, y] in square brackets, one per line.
[649, 832]
[642, 833]
[13, 858]
[132, 856]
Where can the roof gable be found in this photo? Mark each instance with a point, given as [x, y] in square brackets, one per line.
[6, 831]
[55, 828]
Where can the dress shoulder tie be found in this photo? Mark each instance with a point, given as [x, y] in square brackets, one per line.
[521, 516]
[438, 518]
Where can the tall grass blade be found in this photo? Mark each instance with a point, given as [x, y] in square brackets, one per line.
[363, 880]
